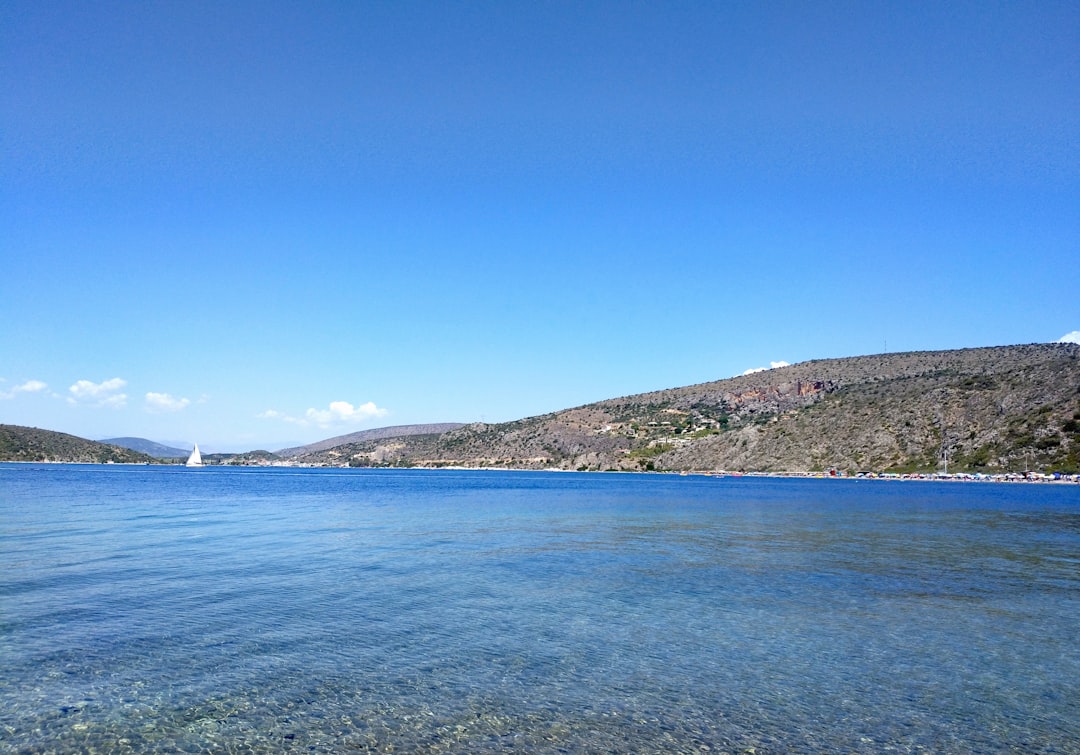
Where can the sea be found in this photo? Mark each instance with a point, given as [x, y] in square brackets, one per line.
[266, 610]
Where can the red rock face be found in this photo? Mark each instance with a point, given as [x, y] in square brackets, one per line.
[781, 395]
[811, 388]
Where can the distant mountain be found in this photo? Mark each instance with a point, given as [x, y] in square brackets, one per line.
[1009, 408]
[379, 433]
[149, 447]
[31, 444]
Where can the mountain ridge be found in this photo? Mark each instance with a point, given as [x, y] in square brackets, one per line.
[148, 447]
[1001, 408]
[982, 409]
[378, 433]
[18, 443]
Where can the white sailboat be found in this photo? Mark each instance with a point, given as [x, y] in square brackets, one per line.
[195, 460]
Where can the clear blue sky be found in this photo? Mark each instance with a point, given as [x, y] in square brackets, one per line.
[250, 224]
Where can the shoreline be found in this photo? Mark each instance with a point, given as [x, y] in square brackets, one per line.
[1002, 477]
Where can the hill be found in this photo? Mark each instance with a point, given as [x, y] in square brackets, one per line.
[993, 409]
[379, 433]
[149, 447]
[31, 444]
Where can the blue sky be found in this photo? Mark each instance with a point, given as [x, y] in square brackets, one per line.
[250, 224]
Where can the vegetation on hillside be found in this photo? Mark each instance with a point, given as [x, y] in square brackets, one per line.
[999, 409]
[378, 433]
[31, 444]
[1003, 409]
[248, 458]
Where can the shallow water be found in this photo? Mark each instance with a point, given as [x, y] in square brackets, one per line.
[267, 610]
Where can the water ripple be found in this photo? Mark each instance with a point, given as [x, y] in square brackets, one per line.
[153, 610]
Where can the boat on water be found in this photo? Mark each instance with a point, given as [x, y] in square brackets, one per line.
[195, 460]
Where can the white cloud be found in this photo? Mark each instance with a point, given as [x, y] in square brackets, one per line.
[30, 386]
[1073, 337]
[163, 402]
[772, 366]
[274, 414]
[106, 393]
[339, 413]
[343, 413]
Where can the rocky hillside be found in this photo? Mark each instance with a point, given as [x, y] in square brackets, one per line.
[365, 435]
[986, 409]
[31, 444]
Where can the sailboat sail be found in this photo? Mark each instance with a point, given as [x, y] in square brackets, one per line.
[195, 460]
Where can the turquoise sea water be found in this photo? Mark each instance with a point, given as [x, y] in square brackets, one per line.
[268, 610]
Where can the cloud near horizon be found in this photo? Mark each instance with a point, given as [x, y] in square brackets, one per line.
[1073, 337]
[30, 386]
[339, 413]
[106, 393]
[158, 403]
[772, 366]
